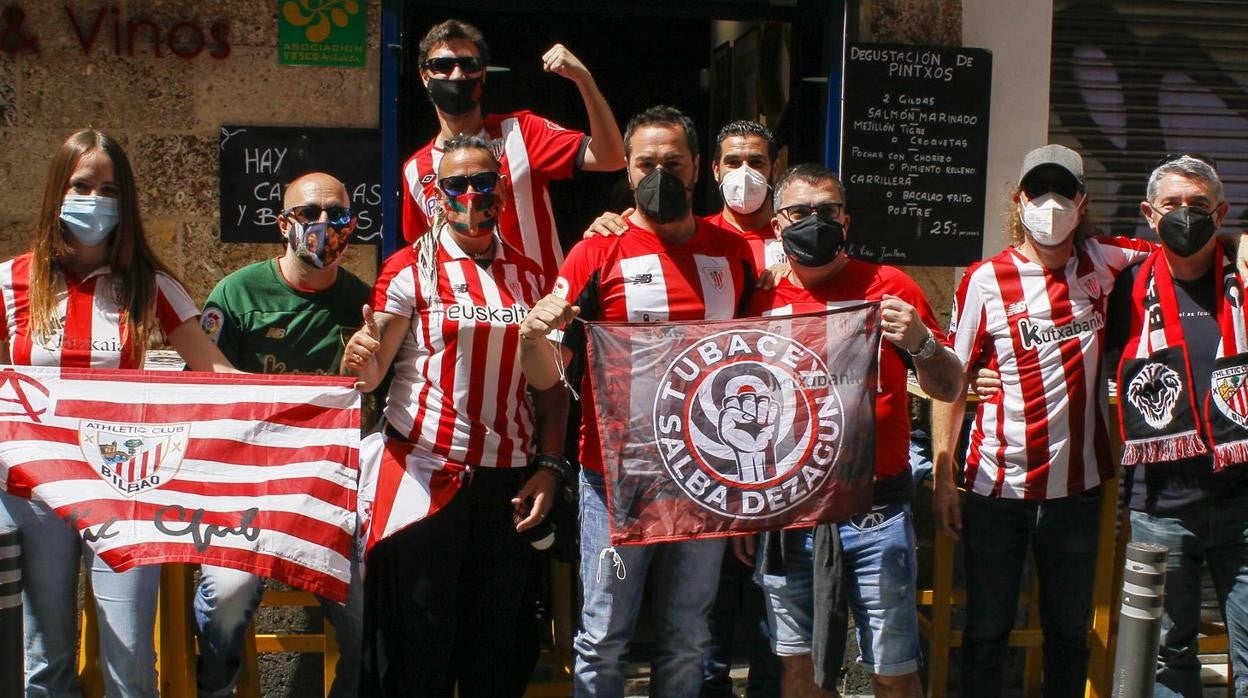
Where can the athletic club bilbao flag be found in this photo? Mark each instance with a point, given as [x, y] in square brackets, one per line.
[713, 428]
[253, 472]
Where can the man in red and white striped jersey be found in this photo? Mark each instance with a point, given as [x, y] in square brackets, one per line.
[444, 601]
[1038, 450]
[668, 265]
[744, 167]
[533, 150]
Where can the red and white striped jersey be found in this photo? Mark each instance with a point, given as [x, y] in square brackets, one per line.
[637, 277]
[533, 151]
[1043, 436]
[90, 314]
[458, 391]
[859, 281]
[763, 243]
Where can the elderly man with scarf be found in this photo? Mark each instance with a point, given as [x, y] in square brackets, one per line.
[1180, 324]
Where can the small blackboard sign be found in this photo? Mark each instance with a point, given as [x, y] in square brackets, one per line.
[257, 162]
[914, 152]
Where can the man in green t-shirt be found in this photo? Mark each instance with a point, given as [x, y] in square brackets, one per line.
[283, 315]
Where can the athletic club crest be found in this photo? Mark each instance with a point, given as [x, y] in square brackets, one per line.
[133, 458]
[748, 423]
[1229, 392]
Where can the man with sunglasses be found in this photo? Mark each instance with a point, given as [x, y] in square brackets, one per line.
[284, 315]
[801, 570]
[533, 150]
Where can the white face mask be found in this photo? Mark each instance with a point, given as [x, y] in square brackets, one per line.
[89, 218]
[744, 189]
[1050, 218]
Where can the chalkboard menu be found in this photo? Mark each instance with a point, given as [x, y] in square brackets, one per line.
[914, 152]
[257, 162]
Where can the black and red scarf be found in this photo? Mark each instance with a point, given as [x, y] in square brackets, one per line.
[1157, 409]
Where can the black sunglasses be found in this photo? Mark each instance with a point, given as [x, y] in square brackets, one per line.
[826, 212]
[482, 183]
[1171, 157]
[309, 213]
[446, 64]
[1050, 178]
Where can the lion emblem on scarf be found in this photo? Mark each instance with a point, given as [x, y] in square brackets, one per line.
[1154, 391]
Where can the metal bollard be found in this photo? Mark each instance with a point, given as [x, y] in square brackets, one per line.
[1139, 620]
[12, 652]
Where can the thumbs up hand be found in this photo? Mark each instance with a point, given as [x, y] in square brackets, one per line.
[359, 357]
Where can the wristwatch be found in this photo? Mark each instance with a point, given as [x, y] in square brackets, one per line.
[927, 349]
[563, 470]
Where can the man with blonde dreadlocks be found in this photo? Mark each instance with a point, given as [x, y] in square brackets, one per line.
[469, 463]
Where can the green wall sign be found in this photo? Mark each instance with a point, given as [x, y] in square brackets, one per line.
[321, 32]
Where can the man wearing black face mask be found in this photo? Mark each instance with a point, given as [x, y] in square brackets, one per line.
[284, 315]
[667, 265]
[877, 548]
[533, 150]
[1178, 321]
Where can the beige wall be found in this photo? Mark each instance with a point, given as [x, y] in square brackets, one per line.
[167, 111]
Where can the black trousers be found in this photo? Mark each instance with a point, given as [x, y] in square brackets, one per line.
[445, 601]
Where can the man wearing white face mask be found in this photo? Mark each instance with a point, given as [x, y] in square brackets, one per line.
[1039, 448]
[745, 167]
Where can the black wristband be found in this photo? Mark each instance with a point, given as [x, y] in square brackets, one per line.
[558, 465]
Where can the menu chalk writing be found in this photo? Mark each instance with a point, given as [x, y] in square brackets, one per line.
[257, 162]
[914, 152]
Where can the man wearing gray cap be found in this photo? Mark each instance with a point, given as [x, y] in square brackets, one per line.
[1039, 449]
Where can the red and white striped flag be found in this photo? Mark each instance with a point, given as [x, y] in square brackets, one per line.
[254, 472]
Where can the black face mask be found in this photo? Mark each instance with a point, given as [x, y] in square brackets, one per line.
[455, 97]
[1185, 230]
[661, 196]
[812, 241]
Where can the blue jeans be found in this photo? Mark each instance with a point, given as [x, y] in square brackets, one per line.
[1063, 536]
[881, 566]
[613, 579]
[224, 604]
[125, 606]
[1215, 534]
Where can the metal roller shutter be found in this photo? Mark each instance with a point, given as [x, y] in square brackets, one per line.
[1135, 79]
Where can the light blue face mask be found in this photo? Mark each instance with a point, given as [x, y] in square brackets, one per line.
[89, 218]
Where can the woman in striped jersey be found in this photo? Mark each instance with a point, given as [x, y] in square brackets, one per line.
[458, 480]
[90, 293]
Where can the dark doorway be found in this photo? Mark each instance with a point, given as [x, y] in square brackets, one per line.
[641, 53]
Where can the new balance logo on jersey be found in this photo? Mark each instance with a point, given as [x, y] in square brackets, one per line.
[275, 333]
[1034, 334]
[1015, 308]
[487, 313]
[638, 279]
[459, 288]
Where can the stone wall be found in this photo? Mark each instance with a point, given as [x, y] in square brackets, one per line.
[166, 111]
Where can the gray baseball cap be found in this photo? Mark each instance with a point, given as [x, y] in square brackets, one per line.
[1053, 154]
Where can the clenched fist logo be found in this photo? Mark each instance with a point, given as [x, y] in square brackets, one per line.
[747, 424]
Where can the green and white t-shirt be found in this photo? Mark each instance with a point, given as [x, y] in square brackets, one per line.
[264, 325]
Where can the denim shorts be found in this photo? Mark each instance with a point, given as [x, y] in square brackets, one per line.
[880, 561]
